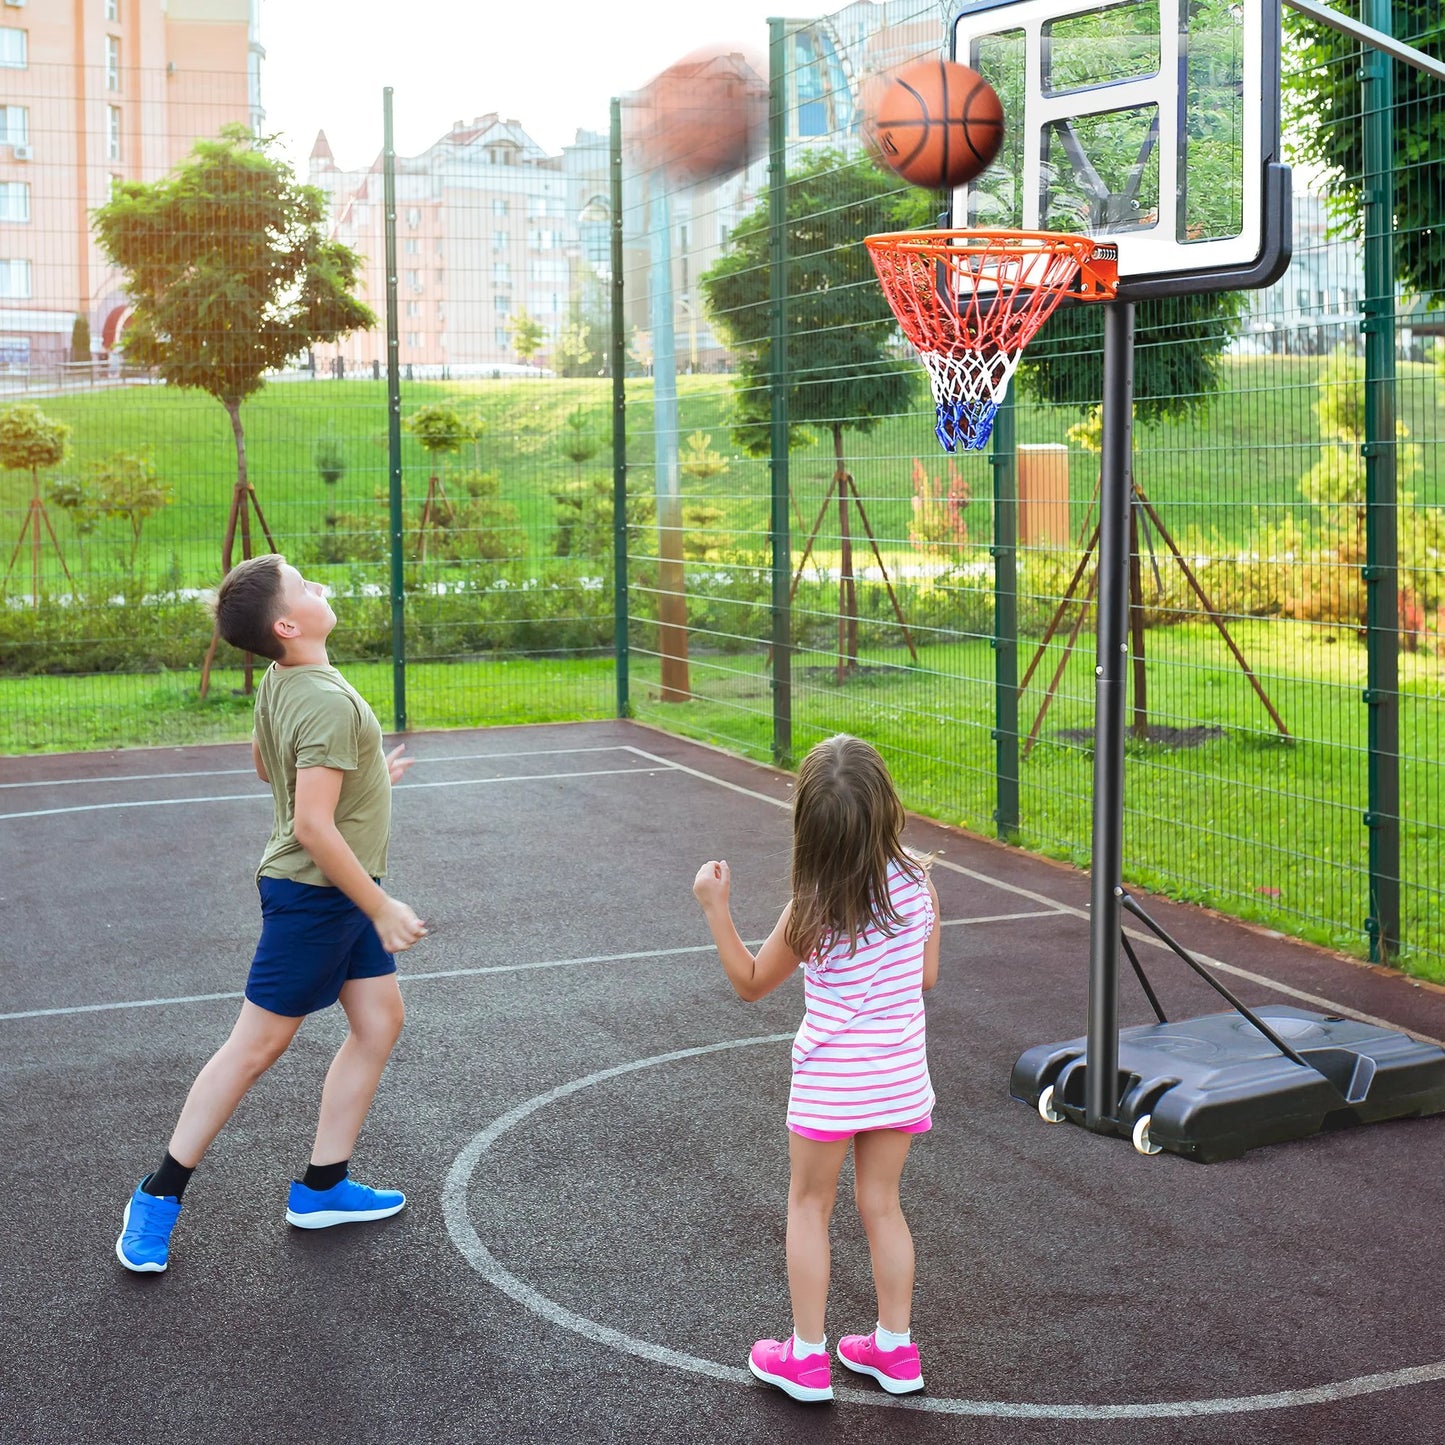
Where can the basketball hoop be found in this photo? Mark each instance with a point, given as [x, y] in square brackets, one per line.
[970, 301]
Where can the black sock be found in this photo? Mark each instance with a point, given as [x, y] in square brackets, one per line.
[169, 1181]
[321, 1177]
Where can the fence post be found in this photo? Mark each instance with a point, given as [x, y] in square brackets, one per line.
[1381, 574]
[393, 426]
[1004, 459]
[782, 553]
[671, 575]
[619, 420]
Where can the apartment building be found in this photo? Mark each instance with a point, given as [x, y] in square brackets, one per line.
[490, 226]
[93, 92]
[484, 233]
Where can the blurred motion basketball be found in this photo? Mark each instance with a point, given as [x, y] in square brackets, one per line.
[702, 118]
[936, 123]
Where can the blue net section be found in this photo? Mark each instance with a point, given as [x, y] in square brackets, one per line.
[966, 424]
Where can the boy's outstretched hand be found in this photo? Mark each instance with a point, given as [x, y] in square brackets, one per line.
[712, 885]
[397, 926]
[396, 765]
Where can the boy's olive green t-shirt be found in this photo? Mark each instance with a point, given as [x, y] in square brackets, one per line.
[311, 717]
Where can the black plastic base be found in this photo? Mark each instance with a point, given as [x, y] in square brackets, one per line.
[1214, 1087]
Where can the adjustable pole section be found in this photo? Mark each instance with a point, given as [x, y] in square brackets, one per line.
[1101, 1103]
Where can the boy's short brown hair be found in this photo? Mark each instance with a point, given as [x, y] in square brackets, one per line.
[247, 604]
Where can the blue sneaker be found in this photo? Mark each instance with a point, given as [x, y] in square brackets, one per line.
[145, 1237]
[344, 1203]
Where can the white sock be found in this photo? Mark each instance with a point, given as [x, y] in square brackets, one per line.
[887, 1340]
[802, 1349]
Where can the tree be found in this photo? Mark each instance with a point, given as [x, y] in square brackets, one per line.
[30, 440]
[441, 431]
[577, 347]
[846, 374]
[1323, 117]
[126, 488]
[80, 339]
[230, 274]
[527, 335]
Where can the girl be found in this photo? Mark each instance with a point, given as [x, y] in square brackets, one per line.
[863, 923]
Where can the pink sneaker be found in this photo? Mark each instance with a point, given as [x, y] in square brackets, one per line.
[896, 1370]
[810, 1379]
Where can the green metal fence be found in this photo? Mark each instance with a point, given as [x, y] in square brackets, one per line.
[592, 372]
[942, 606]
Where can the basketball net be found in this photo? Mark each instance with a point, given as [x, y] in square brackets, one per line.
[970, 301]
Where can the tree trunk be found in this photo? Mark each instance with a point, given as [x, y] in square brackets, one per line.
[240, 514]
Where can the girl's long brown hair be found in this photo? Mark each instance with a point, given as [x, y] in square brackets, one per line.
[847, 827]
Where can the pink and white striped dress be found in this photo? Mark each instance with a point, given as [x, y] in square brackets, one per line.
[859, 1058]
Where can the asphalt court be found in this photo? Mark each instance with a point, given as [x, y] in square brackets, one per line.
[589, 1128]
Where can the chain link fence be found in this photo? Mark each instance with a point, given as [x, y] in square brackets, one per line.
[617, 441]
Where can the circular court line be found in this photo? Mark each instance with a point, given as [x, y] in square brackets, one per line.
[476, 1253]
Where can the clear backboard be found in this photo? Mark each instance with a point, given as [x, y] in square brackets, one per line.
[1153, 124]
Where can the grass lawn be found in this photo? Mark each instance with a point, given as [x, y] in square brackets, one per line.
[66, 714]
[1210, 474]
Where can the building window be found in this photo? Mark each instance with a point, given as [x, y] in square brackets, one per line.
[112, 132]
[14, 125]
[112, 62]
[499, 240]
[412, 246]
[413, 308]
[15, 280]
[112, 9]
[501, 274]
[14, 200]
[500, 338]
[499, 208]
[14, 48]
[501, 306]
[413, 279]
[413, 216]
[413, 339]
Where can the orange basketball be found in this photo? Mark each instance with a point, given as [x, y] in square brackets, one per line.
[937, 123]
[702, 118]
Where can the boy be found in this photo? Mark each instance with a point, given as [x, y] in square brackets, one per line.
[328, 930]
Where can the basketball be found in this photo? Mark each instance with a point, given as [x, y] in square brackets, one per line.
[936, 123]
[702, 118]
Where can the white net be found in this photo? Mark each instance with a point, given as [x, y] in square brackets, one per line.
[968, 389]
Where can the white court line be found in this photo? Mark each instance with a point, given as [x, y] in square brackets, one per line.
[235, 772]
[1058, 906]
[1051, 905]
[131, 778]
[464, 1235]
[266, 797]
[479, 972]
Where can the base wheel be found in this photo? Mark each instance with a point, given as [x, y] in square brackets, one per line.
[1047, 1112]
[1142, 1142]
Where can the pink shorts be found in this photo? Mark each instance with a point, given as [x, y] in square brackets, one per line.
[831, 1136]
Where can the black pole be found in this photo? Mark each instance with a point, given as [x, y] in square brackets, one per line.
[619, 424]
[393, 424]
[1005, 620]
[1101, 1103]
[782, 557]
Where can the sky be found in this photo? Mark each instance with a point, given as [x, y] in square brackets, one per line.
[553, 65]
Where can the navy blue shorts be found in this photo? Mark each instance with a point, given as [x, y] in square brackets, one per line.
[313, 940]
